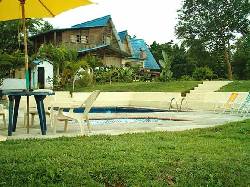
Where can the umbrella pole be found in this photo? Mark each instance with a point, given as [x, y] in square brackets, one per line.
[26, 58]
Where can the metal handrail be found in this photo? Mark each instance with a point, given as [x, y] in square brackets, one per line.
[171, 104]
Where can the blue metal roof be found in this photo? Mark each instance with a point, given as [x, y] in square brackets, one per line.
[138, 45]
[123, 35]
[36, 61]
[118, 51]
[91, 49]
[99, 22]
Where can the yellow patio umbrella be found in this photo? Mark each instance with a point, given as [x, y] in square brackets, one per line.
[22, 9]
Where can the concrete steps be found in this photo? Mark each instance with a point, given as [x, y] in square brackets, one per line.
[210, 86]
[204, 97]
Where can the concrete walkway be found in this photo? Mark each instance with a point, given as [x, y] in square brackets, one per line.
[190, 120]
[209, 86]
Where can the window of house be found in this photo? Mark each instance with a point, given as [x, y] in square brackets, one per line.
[78, 39]
[73, 39]
[106, 39]
[84, 39]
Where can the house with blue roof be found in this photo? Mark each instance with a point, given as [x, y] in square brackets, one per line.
[99, 37]
[140, 53]
[96, 37]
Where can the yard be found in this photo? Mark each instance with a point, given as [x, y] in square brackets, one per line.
[173, 86]
[237, 86]
[203, 157]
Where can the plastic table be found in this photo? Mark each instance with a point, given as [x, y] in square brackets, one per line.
[14, 100]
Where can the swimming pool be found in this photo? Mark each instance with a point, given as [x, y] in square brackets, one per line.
[118, 110]
[132, 120]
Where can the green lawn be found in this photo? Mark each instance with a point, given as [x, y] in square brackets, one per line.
[217, 156]
[237, 86]
[173, 86]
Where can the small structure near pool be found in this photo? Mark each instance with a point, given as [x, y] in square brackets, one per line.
[41, 74]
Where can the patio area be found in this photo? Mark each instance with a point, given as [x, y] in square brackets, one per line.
[173, 121]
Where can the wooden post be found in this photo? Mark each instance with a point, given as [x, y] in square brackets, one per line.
[26, 58]
[55, 43]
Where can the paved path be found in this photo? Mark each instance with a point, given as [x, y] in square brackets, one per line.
[191, 120]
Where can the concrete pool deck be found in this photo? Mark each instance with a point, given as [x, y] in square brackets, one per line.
[192, 120]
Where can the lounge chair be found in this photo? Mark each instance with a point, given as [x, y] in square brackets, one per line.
[229, 105]
[79, 118]
[2, 113]
[244, 108]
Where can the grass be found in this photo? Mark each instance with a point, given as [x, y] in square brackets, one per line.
[236, 86]
[173, 86]
[218, 156]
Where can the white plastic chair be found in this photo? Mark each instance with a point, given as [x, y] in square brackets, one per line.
[2, 113]
[71, 116]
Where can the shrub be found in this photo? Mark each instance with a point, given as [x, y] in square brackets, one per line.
[85, 80]
[186, 78]
[203, 73]
[125, 74]
[113, 74]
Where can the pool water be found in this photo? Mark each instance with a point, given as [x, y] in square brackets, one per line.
[110, 121]
[123, 120]
[118, 110]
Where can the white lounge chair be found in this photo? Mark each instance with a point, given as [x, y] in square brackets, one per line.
[79, 118]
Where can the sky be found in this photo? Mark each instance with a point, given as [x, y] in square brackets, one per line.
[151, 20]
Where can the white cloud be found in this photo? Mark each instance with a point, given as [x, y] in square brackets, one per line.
[150, 20]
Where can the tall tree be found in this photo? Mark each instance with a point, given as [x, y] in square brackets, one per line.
[216, 23]
[11, 37]
[58, 55]
[180, 64]
[197, 54]
[157, 49]
[10, 62]
[166, 73]
[241, 58]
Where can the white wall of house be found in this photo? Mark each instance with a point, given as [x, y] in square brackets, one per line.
[48, 75]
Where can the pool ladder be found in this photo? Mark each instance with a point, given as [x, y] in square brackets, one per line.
[179, 108]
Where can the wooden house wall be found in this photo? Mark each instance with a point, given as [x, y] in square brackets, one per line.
[112, 33]
[53, 37]
[132, 62]
[112, 61]
[95, 36]
[126, 47]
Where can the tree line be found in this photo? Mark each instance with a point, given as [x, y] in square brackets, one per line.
[214, 37]
[214, 43]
